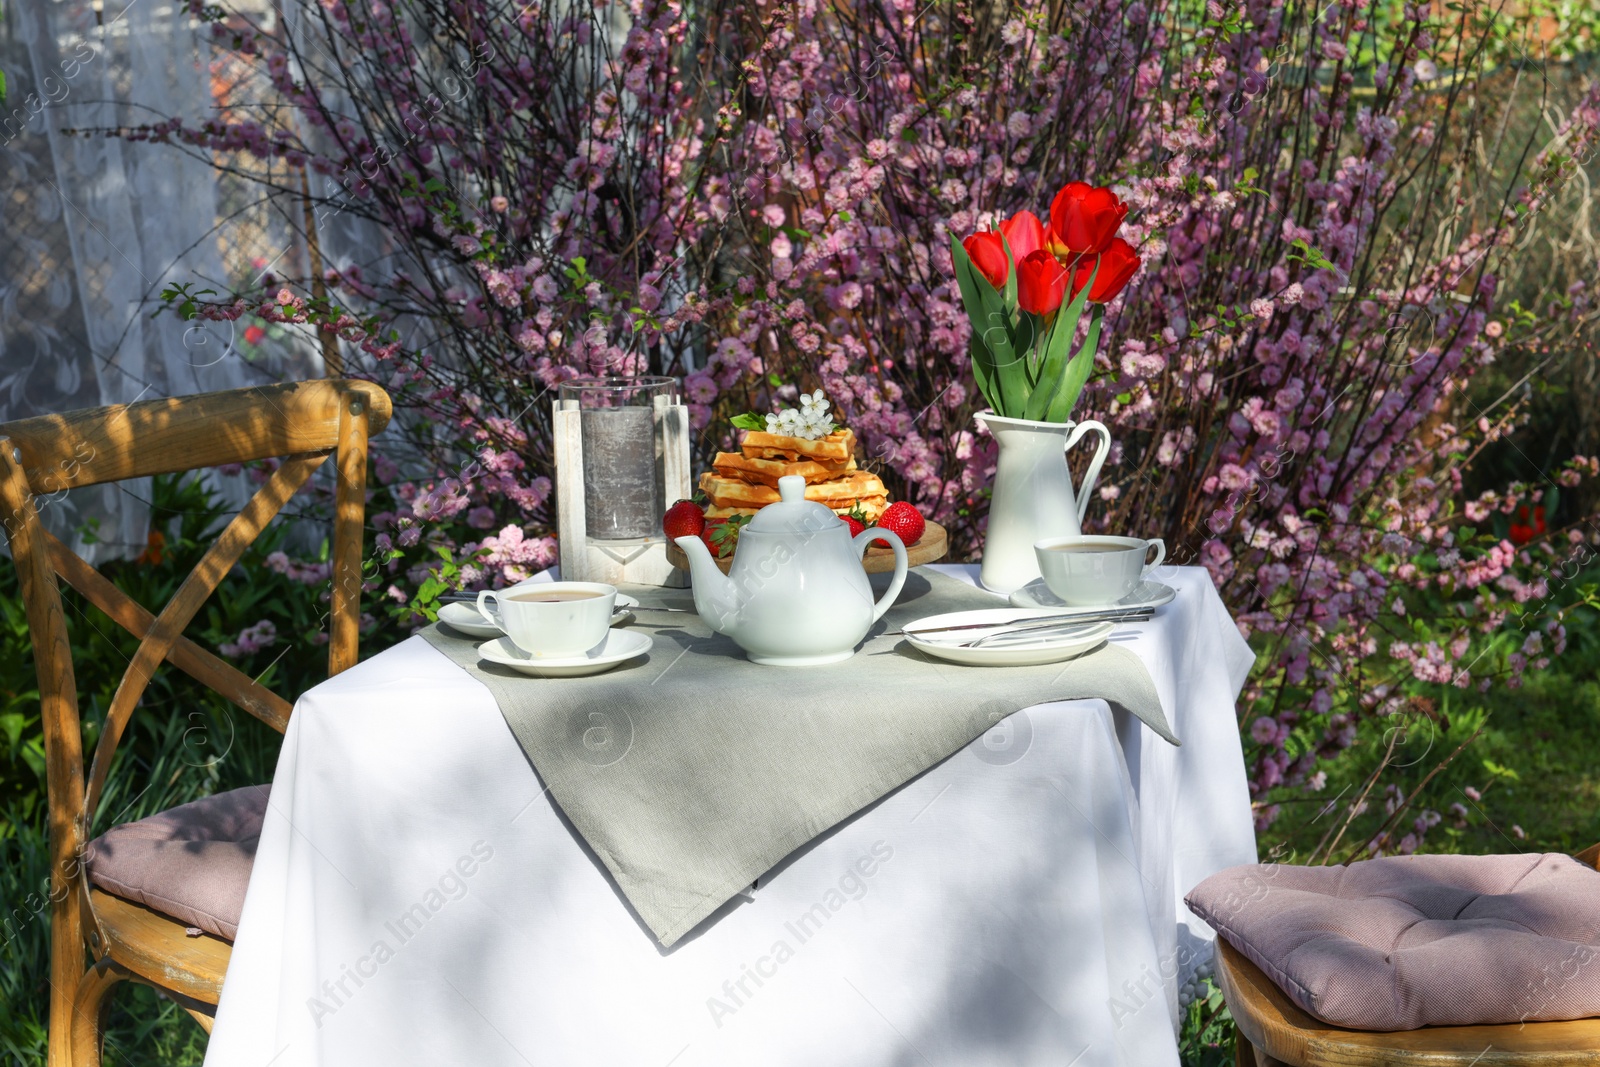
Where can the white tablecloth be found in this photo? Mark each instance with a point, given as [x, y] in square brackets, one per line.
[417, 898]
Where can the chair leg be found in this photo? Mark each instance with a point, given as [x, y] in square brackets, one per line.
[66, 965]
[88, 1011]
[1247, 1055]
[205, 1019]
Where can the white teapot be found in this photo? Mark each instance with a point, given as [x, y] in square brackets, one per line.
[796, 594]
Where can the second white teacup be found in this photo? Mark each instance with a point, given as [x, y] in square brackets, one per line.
[548, 620]
[1092, 570]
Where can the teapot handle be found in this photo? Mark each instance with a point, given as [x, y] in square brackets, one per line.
[862, 541]
[1083, 493]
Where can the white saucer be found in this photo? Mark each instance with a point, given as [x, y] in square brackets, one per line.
[619, 646]
[464, 617]
[1019, 651]
[1038, 595]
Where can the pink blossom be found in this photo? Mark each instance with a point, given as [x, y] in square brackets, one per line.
[251, 639]
[1233, 477]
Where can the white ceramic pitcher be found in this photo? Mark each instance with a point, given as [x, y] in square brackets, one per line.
[1033, 495]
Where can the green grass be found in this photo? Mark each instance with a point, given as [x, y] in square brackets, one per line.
[1544, 742]
[1548, 735]
[1535, 765]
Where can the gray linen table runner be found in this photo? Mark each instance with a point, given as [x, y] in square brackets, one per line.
[692, 772]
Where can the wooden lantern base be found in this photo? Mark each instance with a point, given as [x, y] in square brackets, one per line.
[642, 562]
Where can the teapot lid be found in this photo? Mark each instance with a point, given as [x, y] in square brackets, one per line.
[794, 514]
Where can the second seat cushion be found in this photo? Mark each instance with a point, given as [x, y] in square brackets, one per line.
[1409, 941]
[191, 862]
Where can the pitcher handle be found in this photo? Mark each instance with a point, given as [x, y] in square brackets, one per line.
[862, 541]
[1095, 464]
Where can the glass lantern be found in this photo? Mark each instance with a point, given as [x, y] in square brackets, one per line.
[622, 452]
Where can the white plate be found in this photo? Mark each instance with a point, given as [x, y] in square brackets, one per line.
[1038, 595]
[620, 646]
[464, 617]
[1019, 651]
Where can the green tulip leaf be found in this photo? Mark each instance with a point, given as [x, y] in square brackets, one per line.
[1010, 358]
[971, 282]
[983, 371]
[993, 325]
[1078, 370]
[1031, 329]
[1011, 274]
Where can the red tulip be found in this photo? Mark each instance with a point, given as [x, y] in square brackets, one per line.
[1118, 263]
[1084, 219]
[1024, 233]
[1041, 282]
[988, 254]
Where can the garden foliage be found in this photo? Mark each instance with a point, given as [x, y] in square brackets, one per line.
[762, 198]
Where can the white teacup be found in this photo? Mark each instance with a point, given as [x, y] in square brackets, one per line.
[1092, 570]
[548, 620]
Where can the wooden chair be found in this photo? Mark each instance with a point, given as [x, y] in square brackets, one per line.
[98, 940]
[1274, 1032]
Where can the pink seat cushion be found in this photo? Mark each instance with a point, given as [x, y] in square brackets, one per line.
[191, 862]
[1409, 941]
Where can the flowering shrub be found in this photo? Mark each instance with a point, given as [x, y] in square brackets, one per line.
[756, 196]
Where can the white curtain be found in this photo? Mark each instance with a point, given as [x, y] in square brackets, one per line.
[94, 228]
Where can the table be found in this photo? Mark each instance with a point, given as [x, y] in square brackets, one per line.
[417, 898]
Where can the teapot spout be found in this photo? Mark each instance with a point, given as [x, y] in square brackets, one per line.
[716, 597]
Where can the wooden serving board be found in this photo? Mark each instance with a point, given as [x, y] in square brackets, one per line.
[878, 560]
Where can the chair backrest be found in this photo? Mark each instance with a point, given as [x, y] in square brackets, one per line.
[302, 424]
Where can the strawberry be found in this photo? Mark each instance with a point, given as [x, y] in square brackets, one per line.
[721, 536]
[683, 519]
[904, 521]
[855, 524]
[711, 527]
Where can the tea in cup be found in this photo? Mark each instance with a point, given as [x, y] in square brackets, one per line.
[548, 620]
[1091, 570]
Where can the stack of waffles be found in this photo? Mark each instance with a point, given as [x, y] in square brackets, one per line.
[743, 482]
